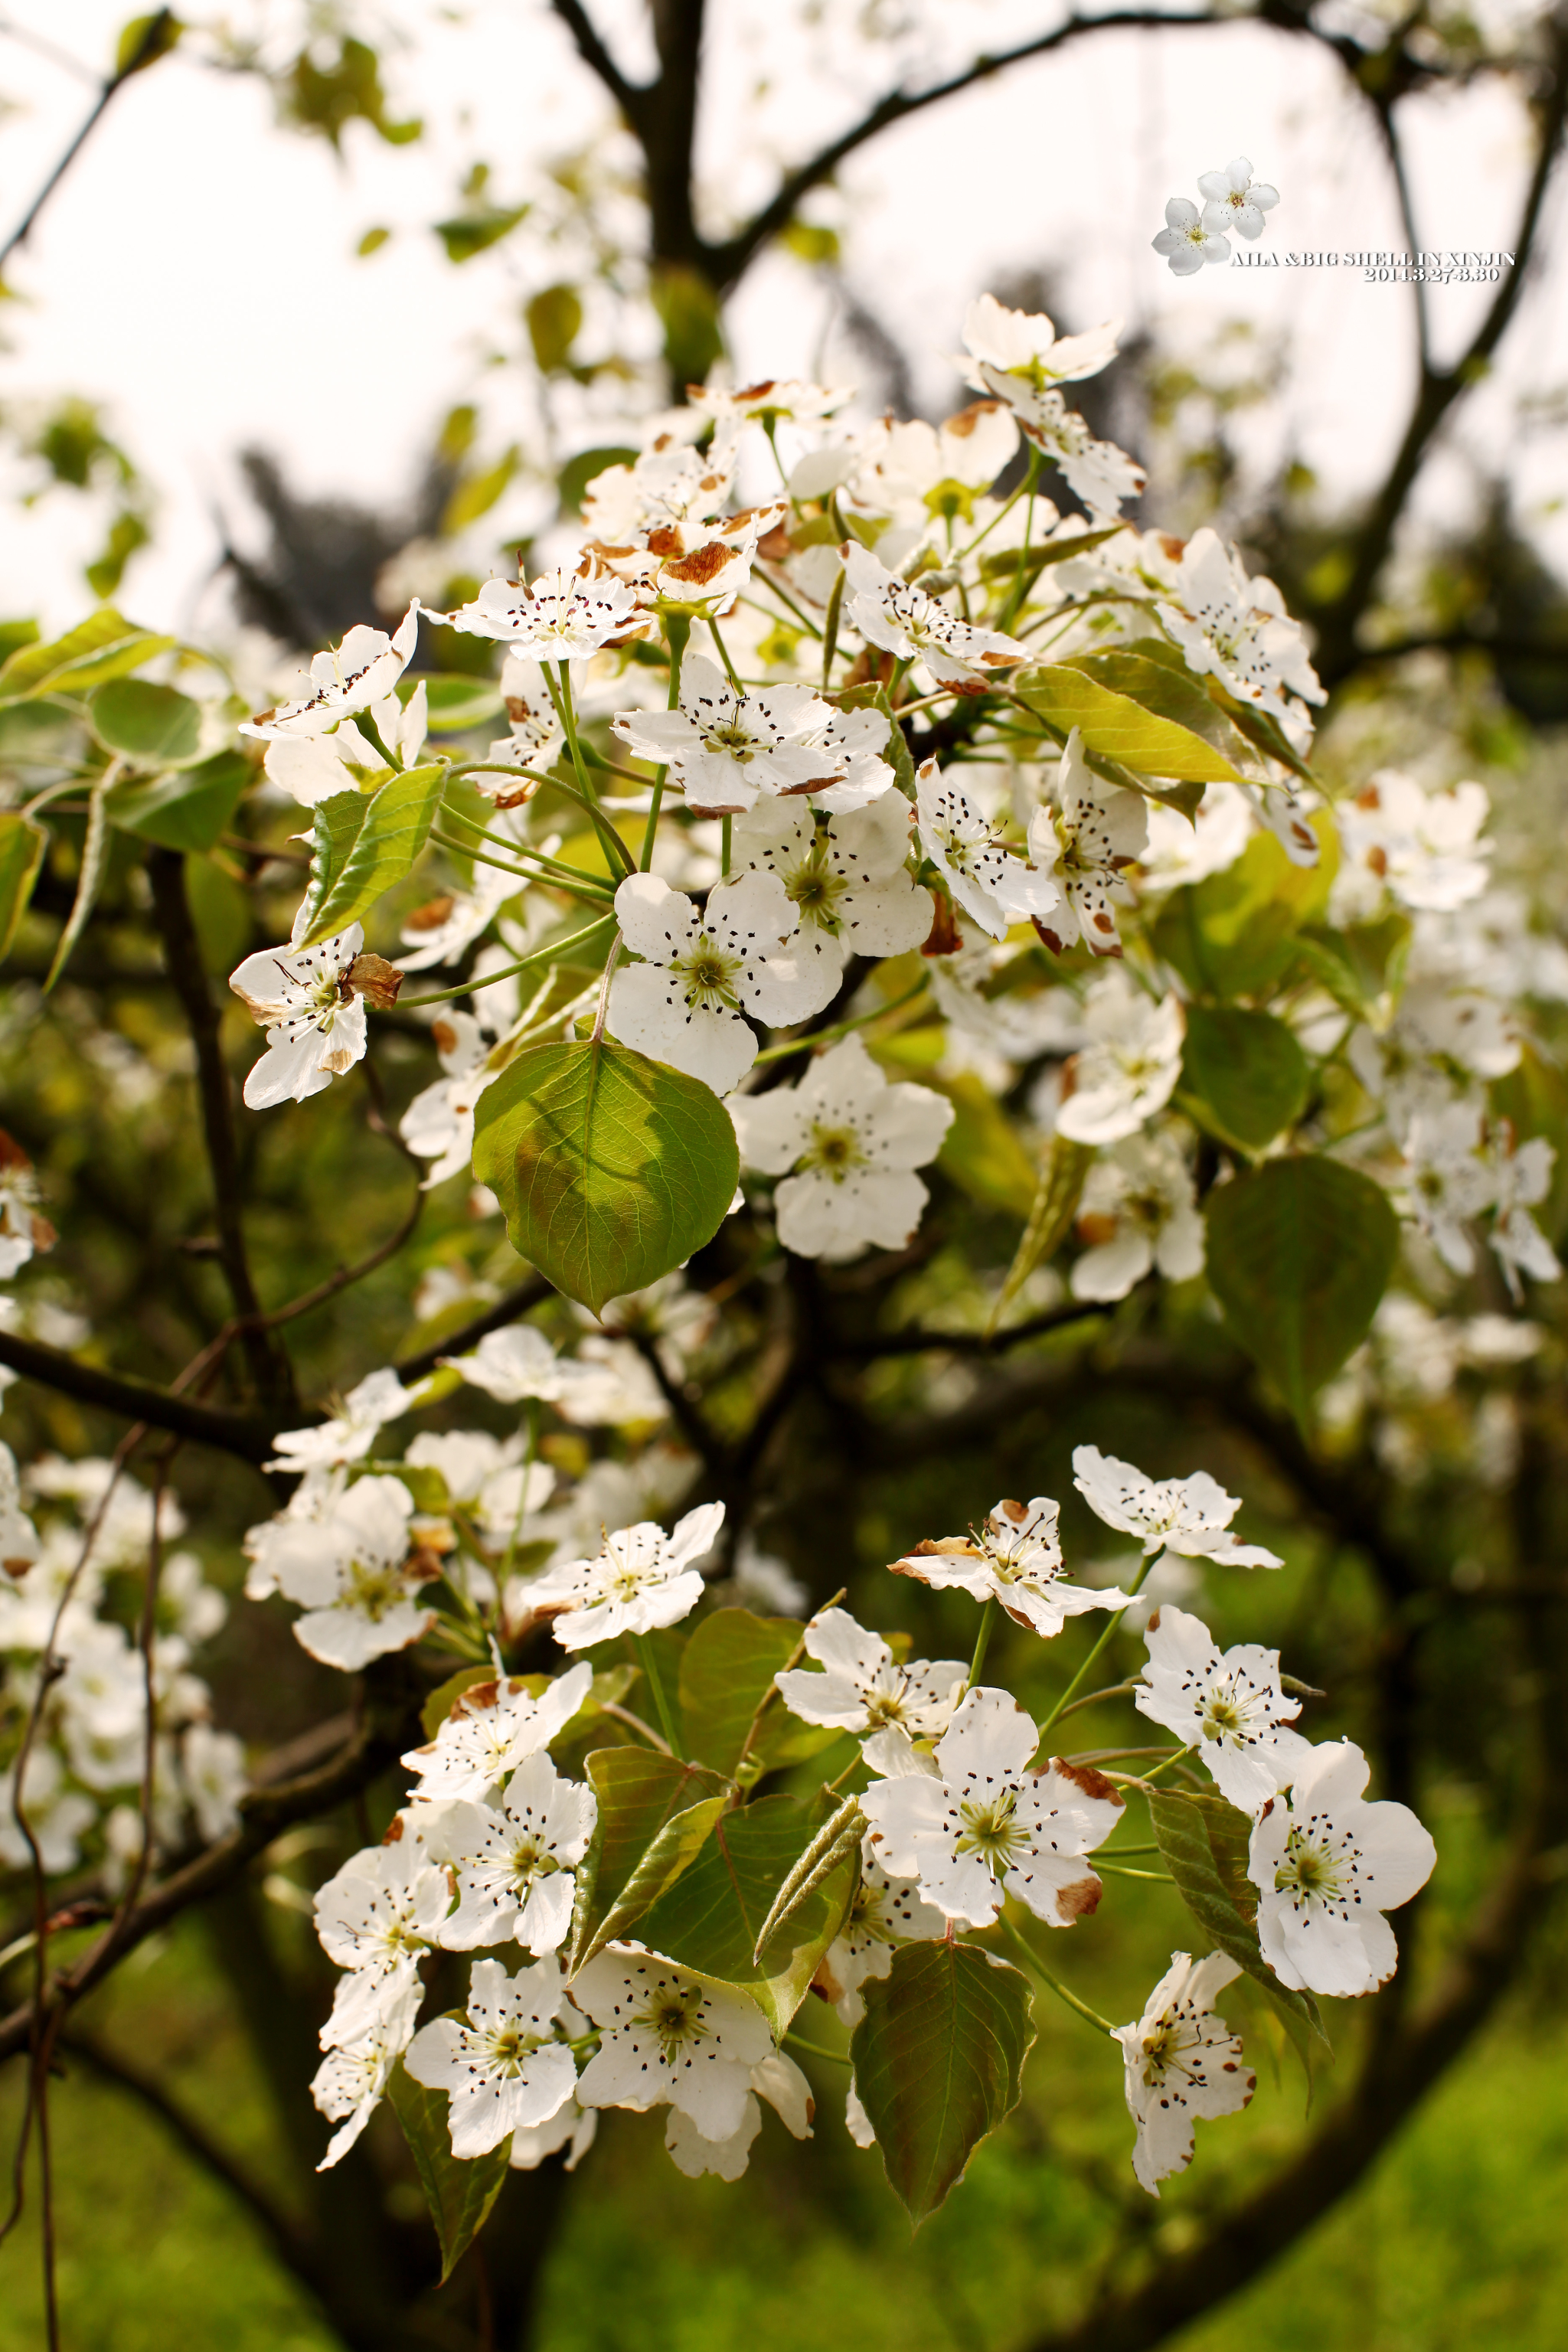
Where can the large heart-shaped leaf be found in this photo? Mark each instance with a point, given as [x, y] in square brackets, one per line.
[611, 1169]
[711, 1919]
[104, 646]
[939, 2061]
[364, 843]
[22, 847]
[654, 1813]
[1234, 934]
[155, 726]
[1243, 1076]
[1300, 1252]
[1122, 729]
[187, 810]
[459, 2193]
[1204, 1843]
[726, 1676]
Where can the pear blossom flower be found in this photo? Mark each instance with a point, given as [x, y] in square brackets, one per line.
[516, 1865]
[492, 1730]
[348, 678]
[1179, 852]
[725, 747]
[313, 767]
[1327, 1865]
[706, 565]
[572, 2128]
[1138, 1211]
[987, 1824]
[640, 1579]
[311, 1001]
[764, 402]
[1522, 1176]
[352, 2080]
[847, 877]
[485, 1476]
[884, 1912]
[1182, 2062]
[701, 971]
[1016, 1557]
[438, 1124]
[348, 1436]
[1236, 629]
[902, 619]
[1095, 831]
[1228, 1706]
[518, 1363]
[848, 747]
[1025, 344]
[1098, 472]
[58, 1816]
[315, 1499]
[1449, 1180]
[1129, 1070]
[22, 1229]
[1424, 848]
[993, 887]
[377, 1917]
[786, 2090]
[560, 617]
[667, 484]
[536, 733]
[1187, 241]
[18, 1537]
[668, 2037]
[354, 1577]
[1235, 200]
[212, 1769]
[846, 1142]
[864, 1689]
[933, 469]
[506, 2069]
[1189, 1516]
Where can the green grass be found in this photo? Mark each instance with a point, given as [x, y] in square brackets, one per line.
[1455, 2241]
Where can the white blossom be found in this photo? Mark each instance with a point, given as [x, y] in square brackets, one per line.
[987, 1824]
[1025, 344]
[1095, 831]
[725, 747]
[902, 619]
[1137, 1210]
[313, 1500]
[701, 971]
[313, 767]
[18, 1537]
[506, 2069]
[927, 470]
[766, 401]
[611, 1387]
[1228, 1706]
[516, 1864]
[352, 2080]
[377, 1917]
[1422, 848]
[668, 483]
[312, 1009]
[846, 876]
[1180, 851]
[1129, 1070]
[1016, 1558]
[559, 617]
[1327, 1866]
[641, 1579]
[492, 1730]
[1522, 1177]
[865, 1689]
[350, 677]
[572, 2128]
[485, 1476]
[885, 1912]
[1237, 630]
[353, 1575]
[992, 886]
[212, 1768]
[1235, 200]
[846, 1142]
[22, 1229]
[58, 1816]
[1189, 1516]
[667, 2037]
[1187, 241]
[786, 2090]
[348, 1436]
[1448, 1180]
[1182, 2062]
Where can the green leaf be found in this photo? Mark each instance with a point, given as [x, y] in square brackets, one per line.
[611, 1169]
[1300, 1252]
[89, 878]
[725, 1676]
[641, 1795]
[1249, 1075]
[1172, 692]
[1205, 1843]
[458, 2193]
[554, 318]
[1006, 563]
[104, 646]
[688, 311]
[709, 1921]
[1234, 934]
[22, 847]
[939, 2062]
[477, 493]
[982, 1150]
[15, 634]
[144, 40]
[1051, 1213]
[1121, 729]
[187, 810]
[365, 843]
[474, 232]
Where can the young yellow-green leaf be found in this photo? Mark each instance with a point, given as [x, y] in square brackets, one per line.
[456, 702]
[725, 1676]
[354, 862]
[554, 318]
[709, 1921]
[474, 232]
[1244, 1077]
[1235, 933]
[187, 810]
[1122, 729]
[155, 726]
[939, 2062]
[1204, 1843]
[89, 875]
[1007, 561]
[22, 847]
[459, 2194]
[1300, 1252]
[611, 1169]
[1055, 1206]
[1171, 691]
[102, 646]
[982, 1150]
[640, 1794]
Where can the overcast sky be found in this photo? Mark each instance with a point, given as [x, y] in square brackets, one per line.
[196, 272]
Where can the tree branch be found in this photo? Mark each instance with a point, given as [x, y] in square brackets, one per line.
[154, 40]
[630, 97]
[250, 1436]
[494, 1318]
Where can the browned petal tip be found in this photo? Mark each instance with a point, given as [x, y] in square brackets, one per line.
[942, 939]
[1084, 1777]
[11, 1153]
[1077, 1901]
[378, 982]
[431, 915]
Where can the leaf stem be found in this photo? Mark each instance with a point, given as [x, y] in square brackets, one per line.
[982, 1642]
[841, 1028]
[610, 962]
[815, 2049]
[731, 672]
[539, 955]
[677, 630]
[655, 1680]
[1071, 1691]
[1037, 1968]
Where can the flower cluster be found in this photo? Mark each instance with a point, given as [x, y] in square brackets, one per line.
[1235, 204]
